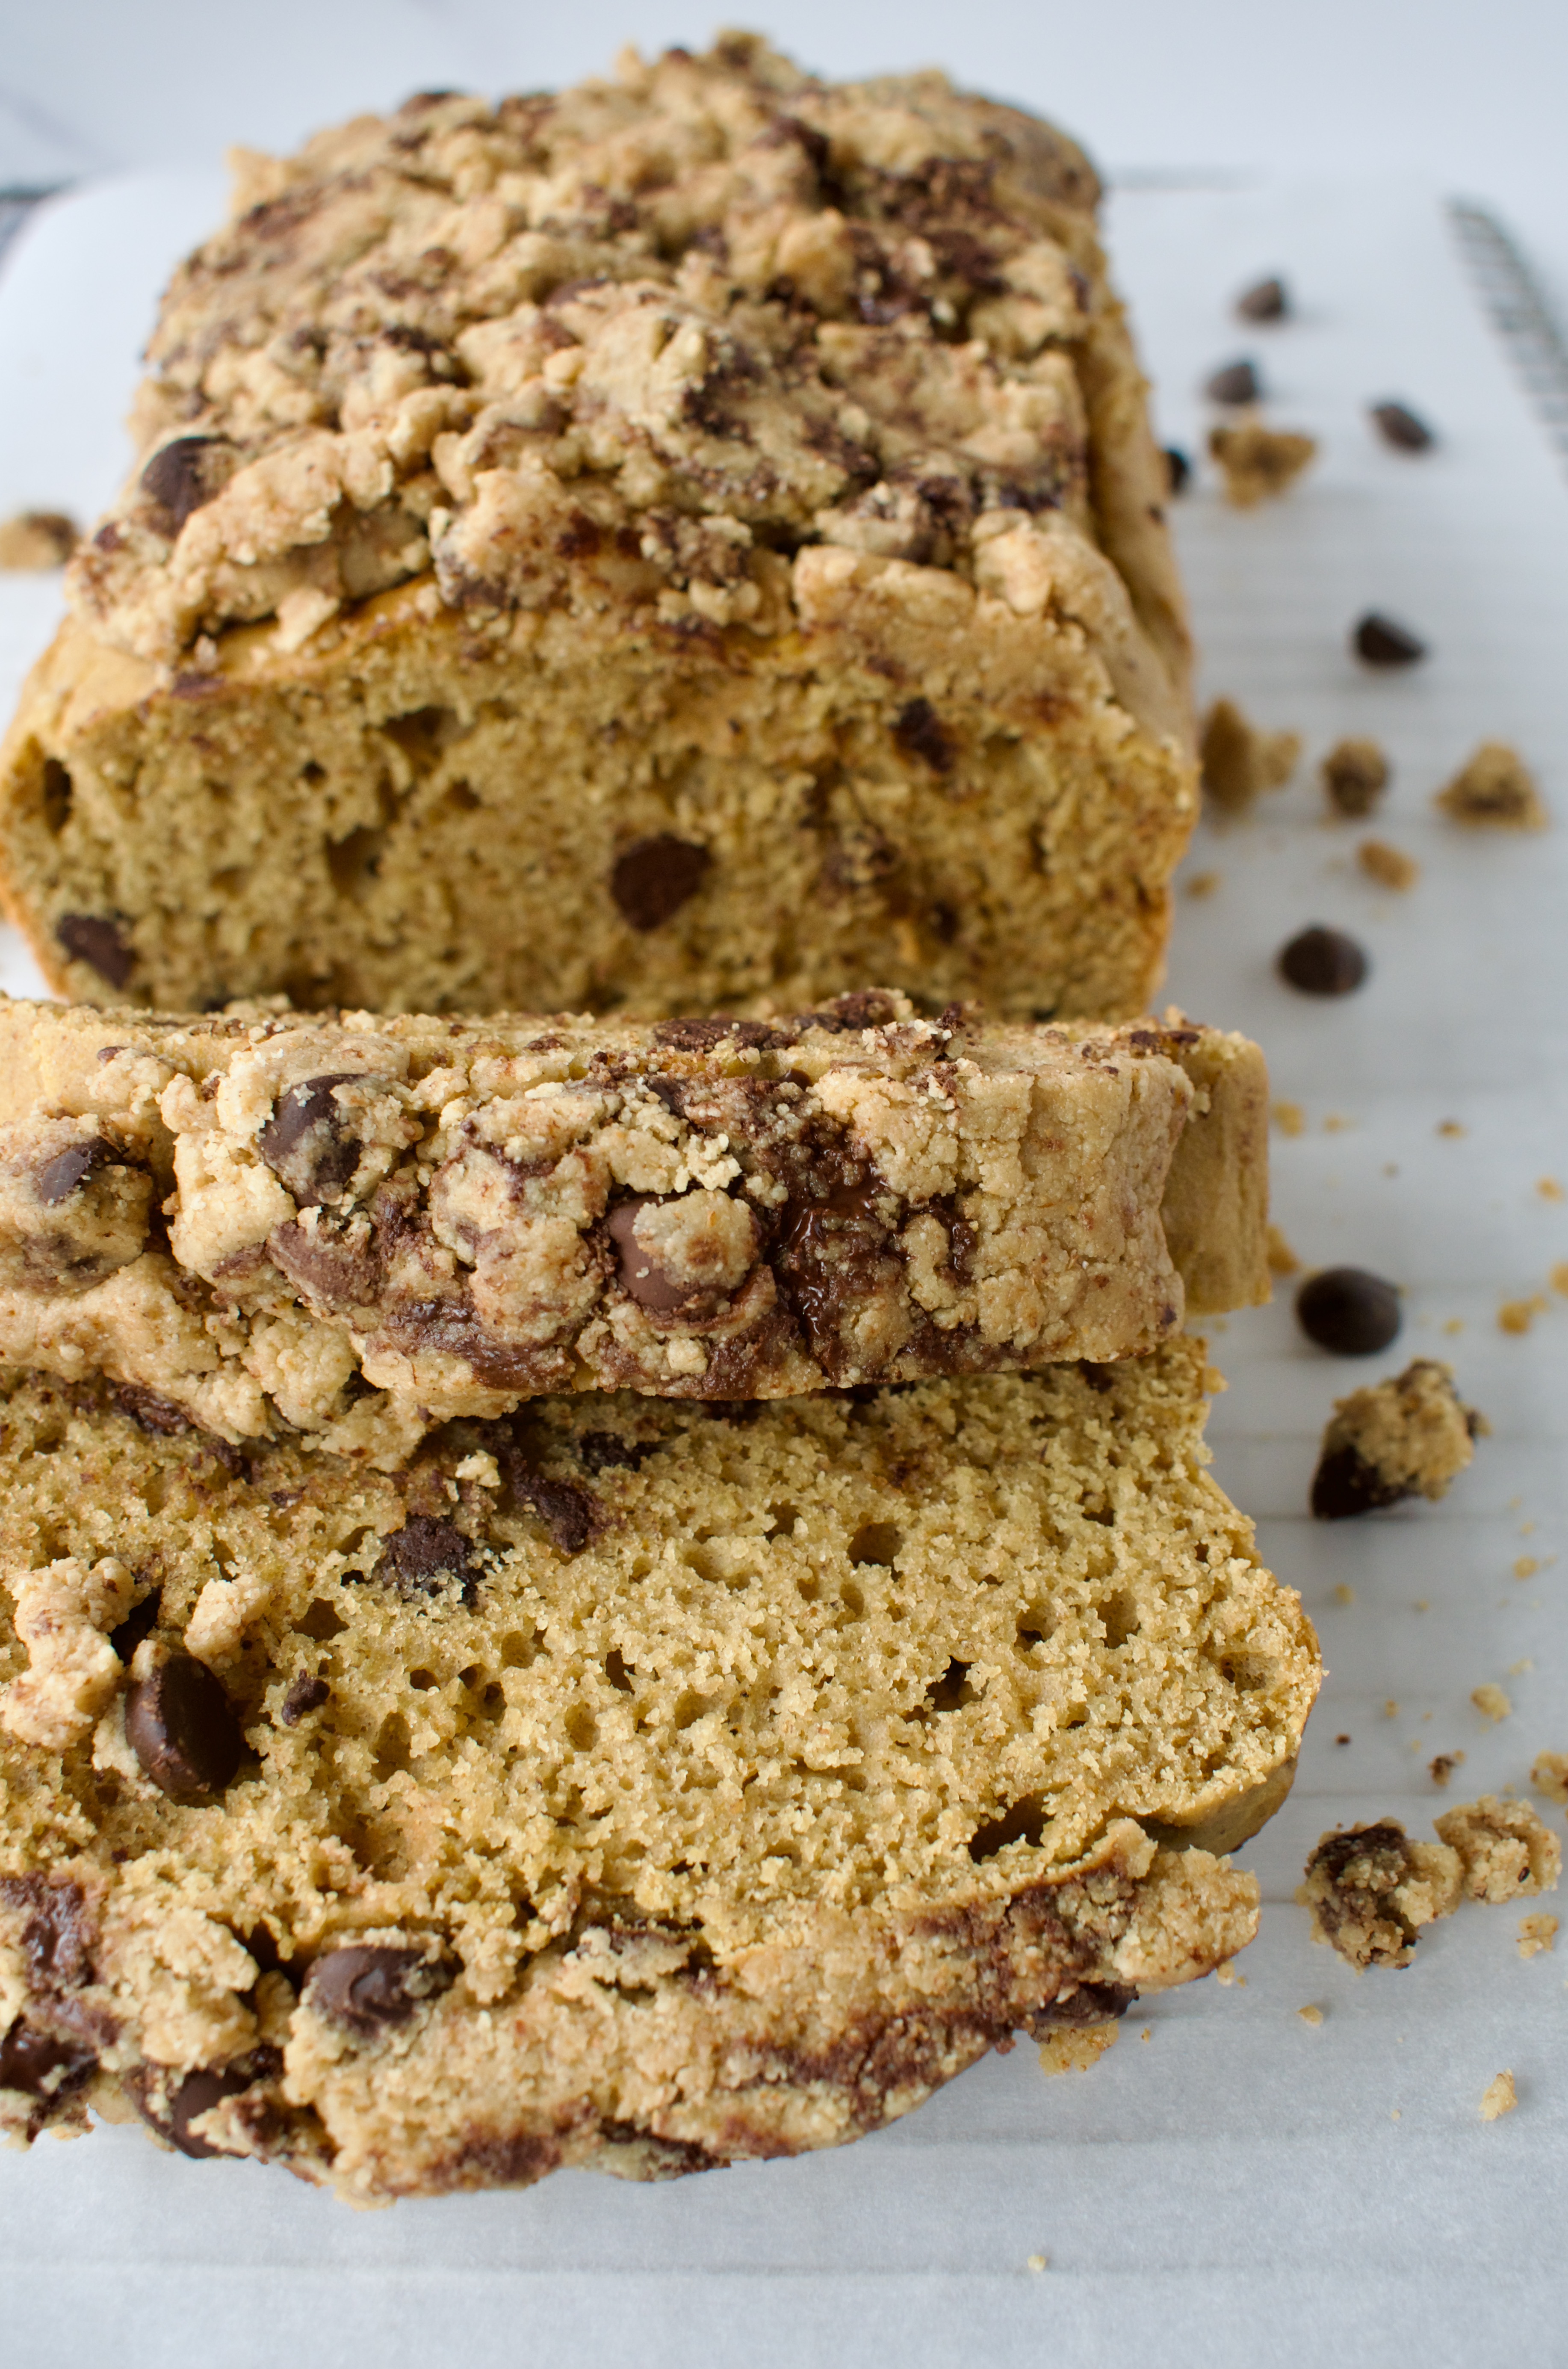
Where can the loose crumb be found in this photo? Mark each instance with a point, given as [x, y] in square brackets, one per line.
[1355, 775]
[1423, 1604]
[1526, 1566]
[1337, 1124]
[1559, 1277]
[1537, 1934]
[1550, 1189]
[1370, 1889]
[1147, 2033]
[1282, 1259]
[1344, 1593]
[1443, 1766]
[1495, 791]
[1312, 2015]
[1227, 1976]
[1204, 884]
[1259, 462]
[1239, 762]
[35, 540]
[1076, 2047]
[1517, 1669]
[1519, 1315]
[1394, 2114]
[1454, 1324]
[1499, 2098]
[1550, 1776]
[1450, 1127]
[1491, 1703]
[1387, 865]
[1289, 1118]
[1037, 2262]
[1390, 1709]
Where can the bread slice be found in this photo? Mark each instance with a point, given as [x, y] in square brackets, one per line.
[374, 1225]
[630, 1784]
[692, 539]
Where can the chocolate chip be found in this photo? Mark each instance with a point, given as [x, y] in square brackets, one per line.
[306, 1694]
[604, 1451]
[199, 2091]
[369, 1987]
[139, 1622]
[865, 1007]
[1088, 2003]
[570, 1514]
[56, 1937]
[1400, 426]
[1348, 1310]
[1265, 301]
[182, 1728]
[642, 1276]
[183, 475]
[61, 1176]
[1320, 961]
[654, 877]
[1344, 1484]
[307, 1142]
[1237, 382]
[38, 2065]
[919, 733]
[1178, 469]
[702, 1036]
[100, 941]
[1378, 641]
[426, 1551]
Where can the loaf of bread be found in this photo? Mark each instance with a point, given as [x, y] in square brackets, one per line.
[627, 1783]
[358, 1228]
[692, 540]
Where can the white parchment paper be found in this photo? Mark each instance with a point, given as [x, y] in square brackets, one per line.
[1231, 2184]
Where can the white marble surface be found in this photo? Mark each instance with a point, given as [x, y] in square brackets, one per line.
[1238, 2188]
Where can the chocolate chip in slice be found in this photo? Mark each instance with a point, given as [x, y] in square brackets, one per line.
[182, 1728]
[920, 732]
[1399, 426]
[183, 475]
[703, 1035]
[1266, 300]
[100, 941]
[1378, 641]
[306, 1694]
[1237, 382]
[199, 2091]
[70, 1169]
[654, 877]
[1320, 961]
[1178, 469]
[650, 1284]
[425, 1552]
[1348, 1312]
[38, 2064]
[306, 1141]
[371, 1986]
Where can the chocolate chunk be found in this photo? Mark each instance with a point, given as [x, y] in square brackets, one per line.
[702, 1036]
[570, 1513]
[369, 1987]
[1345, 1484]
[604, 1451]
[182, 1728]
[654, 877]
[1178, 469]
[182, 476]
[38, 2065]
[426, 1551]
[100, 941]
[1090, 2003]
[199, 2092]
[332, 1273]
[1378, 641]
[865, 1007]
[308, 1141]
[1400, 426]
[56, 1937]
[919, 733]
[62, 1175]
[1320, 961]
[148, 1412]
[1349, 1312]
[139, 1622]
[306, 1694]
[1237, 382]
[832, 1245]
[644, 1279]
[1265, 301]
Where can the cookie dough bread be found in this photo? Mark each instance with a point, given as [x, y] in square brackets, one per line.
[693, 539]
[627, 1783]
[354, 1228]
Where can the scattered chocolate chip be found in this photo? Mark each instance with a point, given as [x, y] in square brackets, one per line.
[1320, 961]
[369, 1987]
[100, 941]
[1237, 382]
[654, 877]
[641, 1275]
[1265, 301]
[70, 1169]
[306, 1142]
[1380, 642]
[1400, 426]
[183, 475]
[306, 1694]
[182, 1728]
[1349, 1312]
[604, 1451]
[38, 2065]
[1178, 469]
[702, 1036]
[423, 1552]
[1342, 1739]
[919, 733]
[1344, 1484]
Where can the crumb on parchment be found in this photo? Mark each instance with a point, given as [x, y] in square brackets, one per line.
[1370, 1888]
[1495, 791]
[1075, 2047]
[1240, 763]
[1491, 1703]
[1282, 1259]
[1312, 2015]
[1289, 1118]
[1537, 1934]
[1389, 866]
[1550, 1776]
[1498, 2098]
